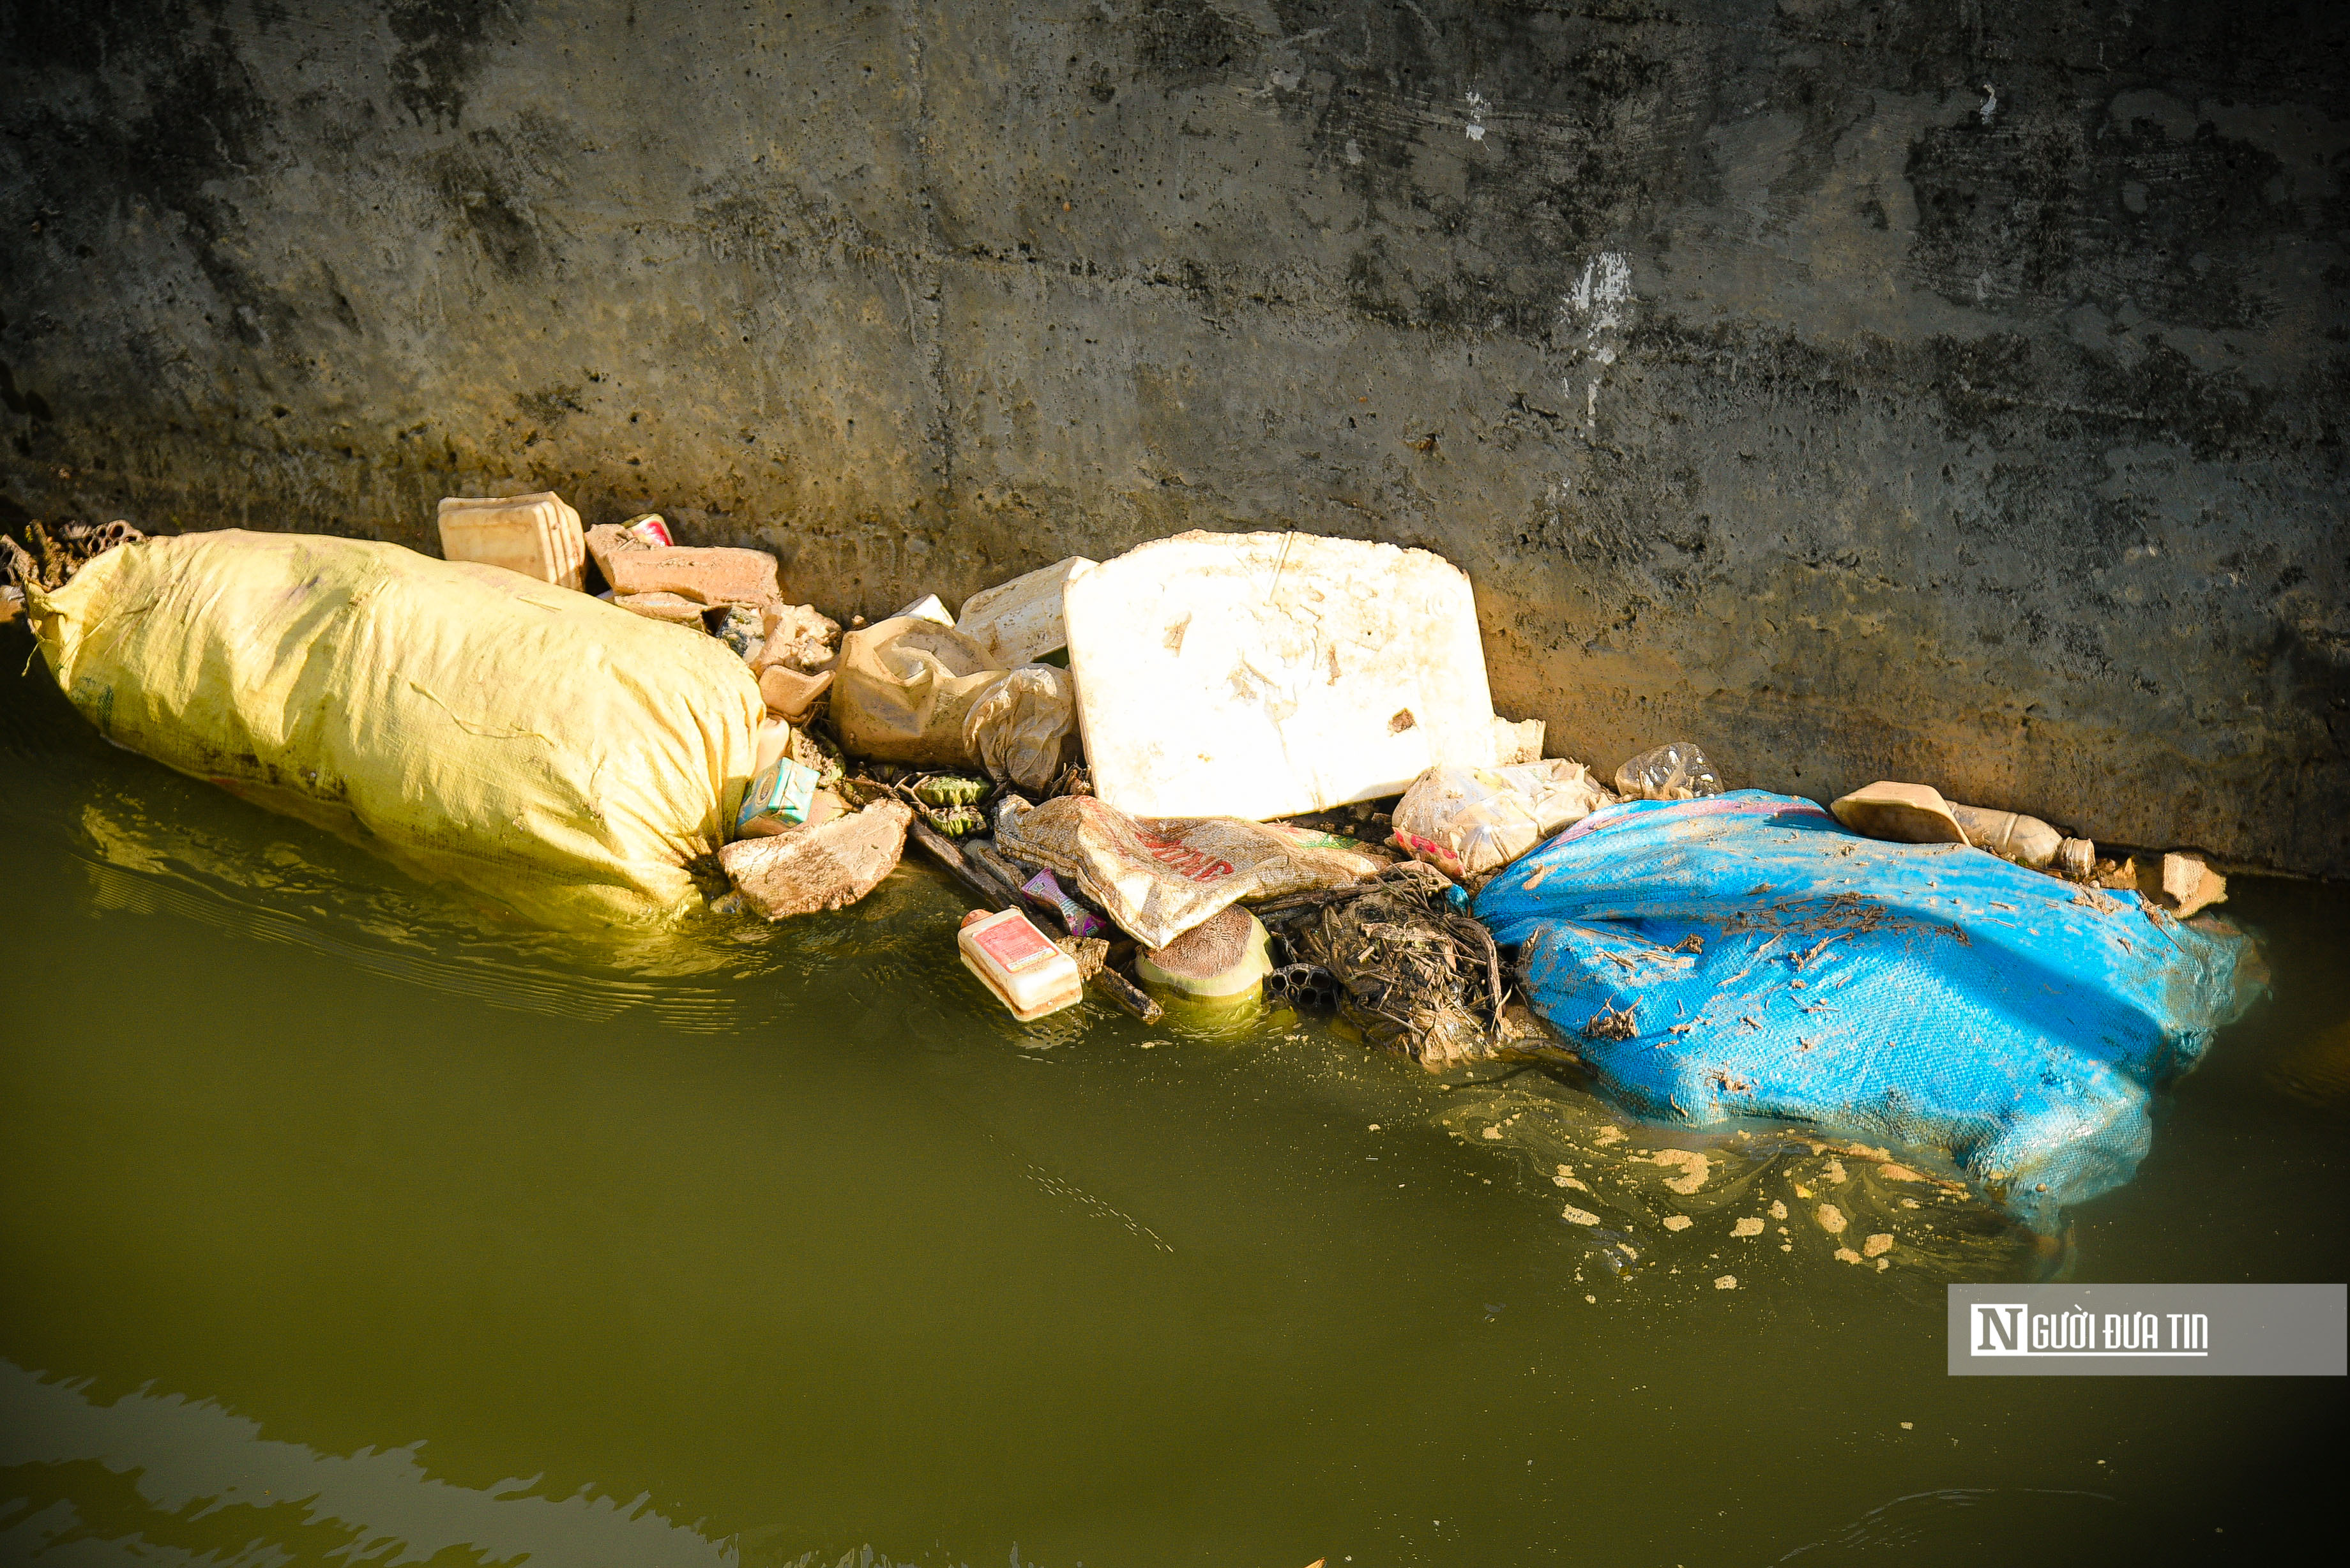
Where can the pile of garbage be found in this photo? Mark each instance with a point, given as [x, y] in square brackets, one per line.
[1218, 772]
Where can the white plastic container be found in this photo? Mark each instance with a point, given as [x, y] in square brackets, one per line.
[1262, 675]
[927, 607]
[537, 535]
[1020, 622]
[775, 740]
[1019, 963]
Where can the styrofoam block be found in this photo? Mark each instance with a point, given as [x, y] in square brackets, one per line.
[1261, 675]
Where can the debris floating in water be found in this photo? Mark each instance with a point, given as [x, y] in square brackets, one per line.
[1393, 947]
[1694, 1168]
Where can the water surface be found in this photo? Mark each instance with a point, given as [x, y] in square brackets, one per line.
[339, 1222]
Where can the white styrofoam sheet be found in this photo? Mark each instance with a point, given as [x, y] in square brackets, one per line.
[1260, 675]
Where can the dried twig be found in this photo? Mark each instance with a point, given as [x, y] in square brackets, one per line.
[1611, 1024]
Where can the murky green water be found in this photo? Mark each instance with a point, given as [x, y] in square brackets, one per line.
[341, 1224]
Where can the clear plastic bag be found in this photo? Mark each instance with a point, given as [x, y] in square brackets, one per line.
[1560, 792]
[1024, 728]
[1674, 771]
[1465, 822]
[1472, 822]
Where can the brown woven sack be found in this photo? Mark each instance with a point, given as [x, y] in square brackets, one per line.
[1159, 876]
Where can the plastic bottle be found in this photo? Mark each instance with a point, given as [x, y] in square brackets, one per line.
[2078, 858]
[774, 743]
[1674, 771]
[1019, 964]
[2026, 840]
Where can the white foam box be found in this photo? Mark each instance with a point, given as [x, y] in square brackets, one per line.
[1261, 675]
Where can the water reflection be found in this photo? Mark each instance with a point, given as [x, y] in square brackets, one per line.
[152, 1478]
[237, 871]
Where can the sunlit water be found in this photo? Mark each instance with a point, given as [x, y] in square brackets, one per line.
[344, 1223]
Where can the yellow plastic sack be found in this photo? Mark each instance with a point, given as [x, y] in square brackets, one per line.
[536, 745]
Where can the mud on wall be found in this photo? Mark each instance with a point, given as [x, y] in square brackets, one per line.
[1948, 391]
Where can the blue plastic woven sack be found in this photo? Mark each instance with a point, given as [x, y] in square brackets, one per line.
[1747, 956]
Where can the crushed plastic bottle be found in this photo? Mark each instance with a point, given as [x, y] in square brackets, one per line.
[948, 789]
[2026, 840]
[1674, 771]
[959, 821]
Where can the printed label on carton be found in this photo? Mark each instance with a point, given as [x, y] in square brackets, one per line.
[786, 790]
[1014, 945]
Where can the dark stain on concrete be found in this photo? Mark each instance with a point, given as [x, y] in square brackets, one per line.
[441, 42]
[474, 191]
[1182, 43]
[2059, 213]
[17, 400]
[551, 405]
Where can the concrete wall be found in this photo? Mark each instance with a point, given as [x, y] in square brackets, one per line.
[1950, 391]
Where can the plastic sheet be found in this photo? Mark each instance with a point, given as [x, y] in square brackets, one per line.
[1024, 728]
[1748, 956]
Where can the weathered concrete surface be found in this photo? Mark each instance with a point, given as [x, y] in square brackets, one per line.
[1940, 391]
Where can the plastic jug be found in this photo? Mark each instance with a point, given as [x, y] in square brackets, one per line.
[1019, 963]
